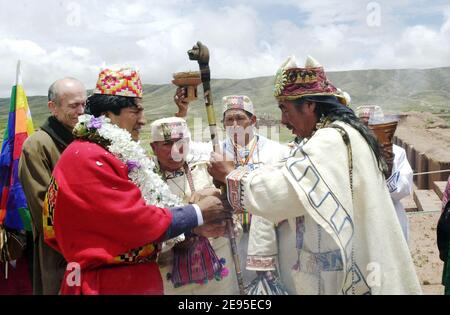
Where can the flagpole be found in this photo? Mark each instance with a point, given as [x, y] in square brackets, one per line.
[18, 78]
[19, 73]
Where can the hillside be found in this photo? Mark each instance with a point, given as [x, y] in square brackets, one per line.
[425, 90]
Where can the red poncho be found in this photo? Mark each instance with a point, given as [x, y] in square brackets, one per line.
[96, 217]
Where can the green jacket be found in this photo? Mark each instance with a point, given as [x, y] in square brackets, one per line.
[40, 152]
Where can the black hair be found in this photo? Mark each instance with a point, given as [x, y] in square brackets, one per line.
[98, 104]
[329, 106]
[249, 115]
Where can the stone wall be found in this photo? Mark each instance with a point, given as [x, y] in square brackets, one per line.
[426, 140]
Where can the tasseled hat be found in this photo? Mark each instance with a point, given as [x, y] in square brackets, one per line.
[120, 81]
[292, 82]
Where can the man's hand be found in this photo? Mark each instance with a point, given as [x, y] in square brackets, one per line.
[211, 230]
[270, 275]
[219, 167]
[214, 210]
[180, 101]
[201, 194]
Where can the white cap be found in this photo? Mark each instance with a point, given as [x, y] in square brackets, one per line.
[237, 102]
[171, 128]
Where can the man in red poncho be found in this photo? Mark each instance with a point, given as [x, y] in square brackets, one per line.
[106, 210]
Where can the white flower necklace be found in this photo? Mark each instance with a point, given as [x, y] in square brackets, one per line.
[141, 169]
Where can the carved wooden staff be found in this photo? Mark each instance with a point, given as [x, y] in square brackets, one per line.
[200, 53]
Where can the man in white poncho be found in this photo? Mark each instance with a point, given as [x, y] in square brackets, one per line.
[259, 251]
[348, 238]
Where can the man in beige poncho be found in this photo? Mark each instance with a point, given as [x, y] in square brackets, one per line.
[348, 238]
[184, 169]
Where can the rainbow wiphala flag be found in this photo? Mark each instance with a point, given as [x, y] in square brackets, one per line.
[14, 213]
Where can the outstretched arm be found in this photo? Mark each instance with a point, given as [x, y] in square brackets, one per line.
[265, 192]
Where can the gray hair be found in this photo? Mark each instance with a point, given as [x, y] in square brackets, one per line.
[53, 90]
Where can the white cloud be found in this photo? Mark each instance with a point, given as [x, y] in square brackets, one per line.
[21, 48]
[333, 11]
[246, 38]
[341, 39]
[445, 29]
[418, 46]
[41, 67]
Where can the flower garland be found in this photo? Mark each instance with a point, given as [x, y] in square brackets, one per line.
[141, 169]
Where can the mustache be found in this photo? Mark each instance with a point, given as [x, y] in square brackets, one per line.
[288, 126]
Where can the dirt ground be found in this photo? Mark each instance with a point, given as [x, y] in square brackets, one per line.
[431, 135]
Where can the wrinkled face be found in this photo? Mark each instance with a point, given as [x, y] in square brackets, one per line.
[171, 154]
[130, 118]
[238, 125]
[301, 119]
[70, 103]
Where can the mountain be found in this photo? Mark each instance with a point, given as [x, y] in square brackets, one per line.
[426, 90]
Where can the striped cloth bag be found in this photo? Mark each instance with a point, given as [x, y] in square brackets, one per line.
[195, 261]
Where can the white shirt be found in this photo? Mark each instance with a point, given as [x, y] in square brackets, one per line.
[400, 185]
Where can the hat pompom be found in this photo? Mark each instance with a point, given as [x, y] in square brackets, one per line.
[311, 62]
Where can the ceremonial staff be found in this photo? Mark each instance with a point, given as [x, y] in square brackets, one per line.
[201, 53]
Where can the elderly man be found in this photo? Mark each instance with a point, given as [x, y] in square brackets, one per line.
[258, 248]
[185, 171]
[41, 151]
[349, 240]
[109, 214]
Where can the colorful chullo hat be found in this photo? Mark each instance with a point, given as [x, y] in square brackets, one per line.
[120, 81]
[292, 82]
[167, 129]
[237, 102]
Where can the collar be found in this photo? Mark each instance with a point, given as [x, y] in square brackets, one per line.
[57, 131]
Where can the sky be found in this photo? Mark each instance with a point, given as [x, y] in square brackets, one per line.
[246, 39]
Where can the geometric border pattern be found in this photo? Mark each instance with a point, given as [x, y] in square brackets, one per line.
[327, 206]
[392, 182]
